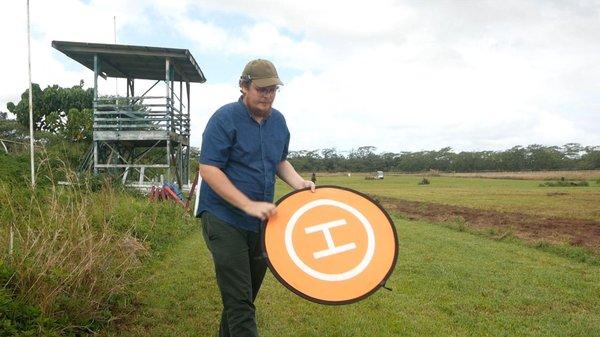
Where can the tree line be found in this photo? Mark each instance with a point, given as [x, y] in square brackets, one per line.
[68, 113]
[535, 157]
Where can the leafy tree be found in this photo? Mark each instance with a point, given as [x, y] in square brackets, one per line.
[513, 159]
[467, 162]
[591, 159]
[65, 111]
[572, 150]
[544, 157]
[388, 160]
[443, 159]
[21, 110]
[331, 160]
[79, 124]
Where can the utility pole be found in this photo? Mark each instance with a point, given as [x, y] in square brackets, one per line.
[31, 140]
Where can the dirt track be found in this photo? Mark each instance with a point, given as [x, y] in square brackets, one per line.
[584, 233]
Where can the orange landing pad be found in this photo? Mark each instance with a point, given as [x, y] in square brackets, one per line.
[333, 246]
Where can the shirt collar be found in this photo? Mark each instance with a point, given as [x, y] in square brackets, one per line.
[249, 114]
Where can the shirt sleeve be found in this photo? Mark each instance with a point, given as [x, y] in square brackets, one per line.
[284, 154]
[216, 143]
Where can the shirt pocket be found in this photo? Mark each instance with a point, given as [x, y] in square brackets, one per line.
[246, 151]
[274, 146]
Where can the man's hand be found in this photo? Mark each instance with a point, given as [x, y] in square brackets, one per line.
[259, 209]
[287, 173]
[308, 183]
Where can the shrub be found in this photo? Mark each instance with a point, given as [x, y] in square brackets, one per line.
[76, 247]
[75, 251]
[562, 183]
[425, 181]
[14, 168]
[18, 318]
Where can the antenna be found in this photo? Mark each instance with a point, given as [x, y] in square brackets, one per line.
[115, 33]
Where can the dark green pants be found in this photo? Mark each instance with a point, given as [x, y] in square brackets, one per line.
[240, 269]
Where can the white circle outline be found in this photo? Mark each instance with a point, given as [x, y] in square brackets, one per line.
[324, 276]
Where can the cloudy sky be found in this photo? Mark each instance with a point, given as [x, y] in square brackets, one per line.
[398, 75]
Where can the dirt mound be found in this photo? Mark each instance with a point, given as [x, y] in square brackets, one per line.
[585, 233]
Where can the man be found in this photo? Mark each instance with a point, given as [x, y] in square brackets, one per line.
[244, 145]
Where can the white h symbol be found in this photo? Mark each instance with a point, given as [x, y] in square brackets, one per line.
[289, 244]
[331, 247]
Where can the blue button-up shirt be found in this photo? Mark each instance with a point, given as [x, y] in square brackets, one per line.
[248, 153]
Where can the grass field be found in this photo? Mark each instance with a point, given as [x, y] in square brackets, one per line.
[446, 282]
[507, 195]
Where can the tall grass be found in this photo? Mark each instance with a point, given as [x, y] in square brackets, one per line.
[75, 249]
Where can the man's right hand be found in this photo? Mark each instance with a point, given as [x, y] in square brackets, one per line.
[260, 209]
[218, 181]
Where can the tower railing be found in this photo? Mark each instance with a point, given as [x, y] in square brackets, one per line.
[140, 113]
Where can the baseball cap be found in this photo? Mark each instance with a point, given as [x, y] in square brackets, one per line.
[262, 73]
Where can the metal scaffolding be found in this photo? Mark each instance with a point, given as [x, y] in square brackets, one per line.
[129, 131]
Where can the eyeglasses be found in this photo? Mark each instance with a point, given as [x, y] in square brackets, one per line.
[267, 91]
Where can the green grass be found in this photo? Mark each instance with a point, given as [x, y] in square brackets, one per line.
[507, 195]
[75, 254]
[446, 283]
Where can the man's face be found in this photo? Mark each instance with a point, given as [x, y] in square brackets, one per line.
[259, 100]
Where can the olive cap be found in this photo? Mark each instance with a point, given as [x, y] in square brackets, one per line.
[262, 73]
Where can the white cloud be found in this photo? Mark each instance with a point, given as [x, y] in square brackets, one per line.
[324, 19]
[396, 75]
[253, 41]
[69, 20]
[207, 98]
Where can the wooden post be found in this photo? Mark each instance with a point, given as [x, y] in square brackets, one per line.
[188, 131]
[169, 91]
[11, 241]
[169, 160]
[142, 172]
